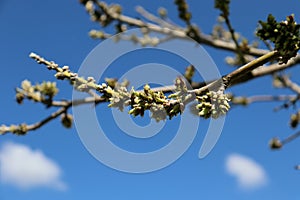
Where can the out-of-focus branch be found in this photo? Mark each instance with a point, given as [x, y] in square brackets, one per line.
[276, 143]
[177, 32]
[266, 70]
[163, 23]
[238, 48]
[240, 100]
[287, 82]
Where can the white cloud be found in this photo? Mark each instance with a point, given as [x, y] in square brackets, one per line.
[249, 174]
[26, 168]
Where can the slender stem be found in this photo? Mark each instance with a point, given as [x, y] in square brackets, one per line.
[262, 71]
[290, 138]
[155, 19]
[65, 105]
[47, 119]
[6, 129]
[240, 100]
[290, 84]
[232, 32]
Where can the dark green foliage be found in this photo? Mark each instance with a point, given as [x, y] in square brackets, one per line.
[184, 14]
[285, 35]
[223, 6]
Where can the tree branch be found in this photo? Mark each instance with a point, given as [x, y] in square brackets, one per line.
[163, 23]
[233, 77]
[287, 82]
[231, 30]
[262, 71]
[22, 129]
[240, 100]
[177, 32]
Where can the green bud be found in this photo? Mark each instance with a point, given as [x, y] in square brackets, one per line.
[111, 82]
[67, 120]
[146, 88]
[275, 143]
[18, 129]
[19, 98]
[162, 12]
[294, 120]
[60, 76]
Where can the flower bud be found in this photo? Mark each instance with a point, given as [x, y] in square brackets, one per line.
[67, 120]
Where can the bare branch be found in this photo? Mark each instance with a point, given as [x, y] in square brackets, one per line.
[48, 119]
[290, 84]
[65, 105]
[232, 32]
[275, 143]
[153, 18]
[240, 100]
[178, 32]
[265, 70]
[22, 129]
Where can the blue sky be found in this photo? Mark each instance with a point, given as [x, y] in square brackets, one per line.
[58, 30]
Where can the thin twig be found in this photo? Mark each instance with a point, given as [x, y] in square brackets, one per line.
[142, 11]
[47, 119]
[290, 138]
[64, 106]
[262, 71]
[290, 84]
[232, 32]
[268, 45]
[240, 100]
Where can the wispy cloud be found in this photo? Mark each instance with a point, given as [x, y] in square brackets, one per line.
[25, 168]
[249, 174]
